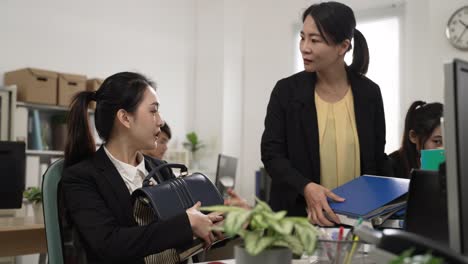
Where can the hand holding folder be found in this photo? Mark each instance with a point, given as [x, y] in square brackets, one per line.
[316, 199]
[369, 197]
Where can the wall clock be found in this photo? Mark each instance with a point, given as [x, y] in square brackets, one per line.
[457, 29]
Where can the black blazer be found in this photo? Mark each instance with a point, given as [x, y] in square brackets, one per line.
[397, 169]
[290, 141]
[100, 207]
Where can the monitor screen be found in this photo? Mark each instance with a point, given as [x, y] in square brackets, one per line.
[426, 209]
[12, 171]
[455, 133]
[226, 173]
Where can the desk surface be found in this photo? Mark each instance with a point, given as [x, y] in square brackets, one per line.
[20, 223]
[21, 236]
[233, 261]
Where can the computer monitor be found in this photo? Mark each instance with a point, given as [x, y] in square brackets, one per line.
[12, 171]
[426, 208]
[455, 134]
[225, 173]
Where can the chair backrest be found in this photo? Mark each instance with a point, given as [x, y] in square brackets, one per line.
[50, 184]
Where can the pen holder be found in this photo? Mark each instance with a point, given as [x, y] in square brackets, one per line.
[342, 252]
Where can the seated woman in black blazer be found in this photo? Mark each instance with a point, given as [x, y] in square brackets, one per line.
[97, 184]
[422, 131]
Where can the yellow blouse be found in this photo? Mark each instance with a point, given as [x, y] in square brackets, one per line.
[339, 143]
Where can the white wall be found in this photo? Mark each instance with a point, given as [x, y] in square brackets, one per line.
[208, 88]
[269, 31]
[427, 49]
[99, 38]
[218, 79]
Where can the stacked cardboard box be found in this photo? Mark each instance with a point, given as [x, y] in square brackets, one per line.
[46, 87]
[68, 86]
[34, 85]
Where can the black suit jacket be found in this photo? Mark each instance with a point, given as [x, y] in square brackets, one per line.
[396, 166]
[100, 207]
[290, 141]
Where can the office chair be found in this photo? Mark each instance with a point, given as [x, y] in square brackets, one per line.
[51, 212]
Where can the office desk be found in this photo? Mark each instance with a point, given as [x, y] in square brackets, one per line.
[21, 236]
[232, 261]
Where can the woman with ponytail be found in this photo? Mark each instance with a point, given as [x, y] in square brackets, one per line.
[96, 185]
[422, 131]
[324, 126]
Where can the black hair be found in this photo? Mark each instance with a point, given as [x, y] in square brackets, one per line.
[336, 22]
[122, 90]
[422, 118]
[166, 129]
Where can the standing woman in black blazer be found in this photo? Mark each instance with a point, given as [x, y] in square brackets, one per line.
[97, 184]
[324, 126]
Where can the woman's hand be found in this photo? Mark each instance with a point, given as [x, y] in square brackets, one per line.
[316, 198]
[235, 200]
[218, 220]
[201, 224]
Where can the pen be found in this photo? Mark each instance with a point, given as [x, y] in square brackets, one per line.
[340, 239]
[349, 257]
[350, 237]
[340, 234]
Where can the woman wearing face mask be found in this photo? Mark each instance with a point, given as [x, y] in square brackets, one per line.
[422, 131]
[324, 126]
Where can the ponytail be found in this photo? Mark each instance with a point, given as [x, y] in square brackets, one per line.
[80, 142]
[360, 62]
[408, 152]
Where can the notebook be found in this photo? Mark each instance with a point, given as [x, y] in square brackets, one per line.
[370, 196]
[432, 158]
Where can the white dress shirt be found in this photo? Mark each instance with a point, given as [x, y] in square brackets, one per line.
[131, 175]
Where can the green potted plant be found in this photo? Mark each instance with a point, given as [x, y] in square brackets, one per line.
[34, 196]
[407, 257]
[193, 144]
[269, 237]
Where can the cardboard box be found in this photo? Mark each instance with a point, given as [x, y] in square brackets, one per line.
[93, 85]
[68, 86]
[34, 85]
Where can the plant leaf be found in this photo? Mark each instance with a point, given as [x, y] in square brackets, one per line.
[283, 226]
[258, 222]
[308, 236]
[222, 208]
[261, 205]
[299, 220]
[234, 221]
[294, 244]
[33, 194]
[401, 259]
[255, 242]
[274, 216]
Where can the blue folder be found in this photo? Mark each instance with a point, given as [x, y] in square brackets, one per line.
[367, 194]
